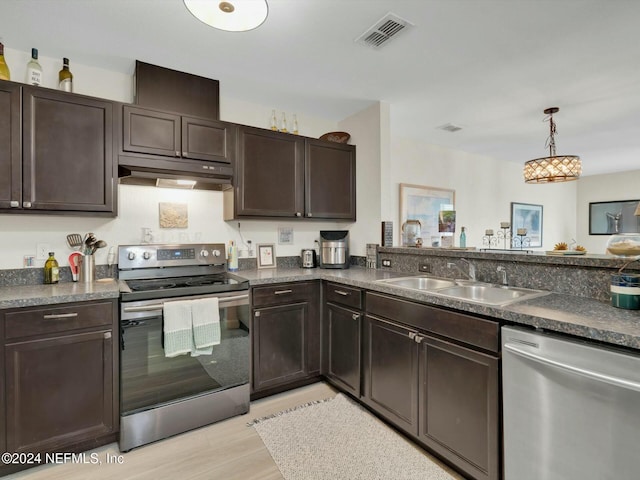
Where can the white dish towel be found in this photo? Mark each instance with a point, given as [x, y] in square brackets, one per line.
[178, 331]
[205, 317]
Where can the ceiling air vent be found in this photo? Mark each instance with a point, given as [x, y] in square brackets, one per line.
[449, 127]
[384, 30]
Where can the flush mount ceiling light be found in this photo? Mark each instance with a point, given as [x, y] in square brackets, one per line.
[231, 15]
[554, 168]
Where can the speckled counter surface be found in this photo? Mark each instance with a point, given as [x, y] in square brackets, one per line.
[579, 316]
[34, 295]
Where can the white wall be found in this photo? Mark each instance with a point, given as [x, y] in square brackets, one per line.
[603, 188]
[484, 189]
[366, 129]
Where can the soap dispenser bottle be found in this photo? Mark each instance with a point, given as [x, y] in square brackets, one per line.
[463, 239]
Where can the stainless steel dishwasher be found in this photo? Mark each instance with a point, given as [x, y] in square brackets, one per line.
[571, 409]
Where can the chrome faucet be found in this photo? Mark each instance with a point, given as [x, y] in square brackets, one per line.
[472, 268]
[503, 272]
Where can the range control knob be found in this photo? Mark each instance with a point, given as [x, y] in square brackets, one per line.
[204, 253]
[146, 255]
[215, 253]
[131, 256]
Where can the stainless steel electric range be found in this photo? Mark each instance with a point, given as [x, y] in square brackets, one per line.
[162, 396]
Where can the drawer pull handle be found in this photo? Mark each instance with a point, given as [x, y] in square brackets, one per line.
[107, 335]
[343, 293]
[412, 335]
[418, 339]
[280, 292]
[355, 316]
[60, 315]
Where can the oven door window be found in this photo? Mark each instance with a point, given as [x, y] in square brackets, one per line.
[150, 379]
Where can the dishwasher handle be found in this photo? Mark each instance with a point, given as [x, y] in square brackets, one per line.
[616, 381]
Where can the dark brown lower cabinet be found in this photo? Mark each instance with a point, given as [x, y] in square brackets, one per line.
[279, 349]
[459, 406]
[285, 336]
[60, 378]
[442, 392]
[391, 372]
[59, 391]
[342, 349]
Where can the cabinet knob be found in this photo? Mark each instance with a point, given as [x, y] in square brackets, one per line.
[107, 335]
[298, 214]
[355, 316]
[185, 154]
[256, 314]
[14, 204]
[309, 214]
[412, 335]
[418, 339]
[177, 153]
[26, 204]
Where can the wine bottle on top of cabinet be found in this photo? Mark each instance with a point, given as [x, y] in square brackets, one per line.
[65, 77]
[34, 70]
[4, 68]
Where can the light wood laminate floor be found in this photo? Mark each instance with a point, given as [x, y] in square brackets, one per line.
[227, 450]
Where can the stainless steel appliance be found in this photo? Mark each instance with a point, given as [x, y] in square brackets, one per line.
[334, 249]
[571, 409]
[308, 257]
[162, 396]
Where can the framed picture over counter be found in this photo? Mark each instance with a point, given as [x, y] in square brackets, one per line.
[266, 255]
[607, 218]
[529, 216]
[422, 203]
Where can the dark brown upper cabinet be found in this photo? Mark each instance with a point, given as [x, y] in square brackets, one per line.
[65, 160]
[283, 175]
[10, 146]
[330, 180]
[154, 132]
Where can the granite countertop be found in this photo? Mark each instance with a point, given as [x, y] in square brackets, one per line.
[34, 295]
[583, 317]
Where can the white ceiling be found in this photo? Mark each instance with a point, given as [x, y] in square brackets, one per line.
[490, 67]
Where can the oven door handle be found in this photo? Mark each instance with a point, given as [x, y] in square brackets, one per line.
[160, 306]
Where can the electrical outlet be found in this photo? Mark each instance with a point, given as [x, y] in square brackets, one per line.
[386, 263]
[42, 251]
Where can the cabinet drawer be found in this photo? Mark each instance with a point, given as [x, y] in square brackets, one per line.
[350, 297]
[42, 321]
[282, 293]
[458, 326]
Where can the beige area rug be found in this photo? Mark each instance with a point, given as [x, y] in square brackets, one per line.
[337, 439]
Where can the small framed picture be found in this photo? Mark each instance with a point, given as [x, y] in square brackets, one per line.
[266, 255]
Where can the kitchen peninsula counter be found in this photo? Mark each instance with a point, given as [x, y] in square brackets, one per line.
[579, 316]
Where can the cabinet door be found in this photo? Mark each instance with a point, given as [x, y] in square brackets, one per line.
[330, 180]
[459, 406]
[391, 372]
[279, 345]
[151, 132]
[59, 391]
[68, 159]
[269, 174]
[207, 140]
[343, 347]
[10, 146]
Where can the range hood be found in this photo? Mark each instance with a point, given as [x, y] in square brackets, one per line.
[134, 170]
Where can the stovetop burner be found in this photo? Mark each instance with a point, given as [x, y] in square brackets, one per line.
[183, 286]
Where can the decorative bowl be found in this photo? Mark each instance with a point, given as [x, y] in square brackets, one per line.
[624, 244]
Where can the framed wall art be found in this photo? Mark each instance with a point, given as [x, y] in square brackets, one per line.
[607, 218]
[266, 254]
[422, 203]
[529, 216]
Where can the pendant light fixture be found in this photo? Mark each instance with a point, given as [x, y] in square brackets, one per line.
[554, 168]
[230, 15]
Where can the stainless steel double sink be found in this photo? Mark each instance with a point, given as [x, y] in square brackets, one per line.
[467, 290]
